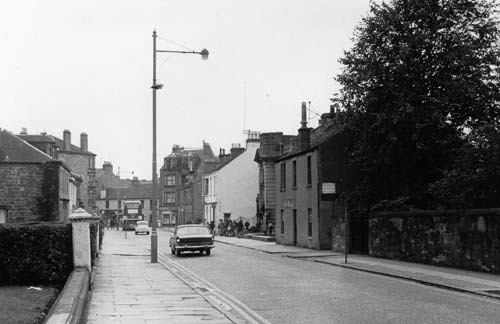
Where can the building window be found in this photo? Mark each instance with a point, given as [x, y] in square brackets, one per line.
[309, 174]
[119, 205]
[283, 175]
[309, 222]
[170, 197]
[107, 204]
[3, 215]
[282, 222]
[205, 186]
[294, 174]
[170, 180]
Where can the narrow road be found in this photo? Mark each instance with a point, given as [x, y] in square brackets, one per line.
[285, 290]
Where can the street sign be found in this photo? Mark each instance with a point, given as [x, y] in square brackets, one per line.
[328, 188]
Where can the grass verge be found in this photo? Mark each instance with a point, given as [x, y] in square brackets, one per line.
[21, 305]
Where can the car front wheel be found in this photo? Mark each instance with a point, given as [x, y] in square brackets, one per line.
[178, 253]
[207, 251]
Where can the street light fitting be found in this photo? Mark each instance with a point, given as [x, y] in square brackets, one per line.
[157, 86]
[204, 54]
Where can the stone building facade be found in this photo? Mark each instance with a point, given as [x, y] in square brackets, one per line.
[271, 148]
[310, 174]
[34, 186]
[79, 159]
[181, 175]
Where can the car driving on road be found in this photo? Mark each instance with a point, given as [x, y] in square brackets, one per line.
[191, 238]
[142, 227]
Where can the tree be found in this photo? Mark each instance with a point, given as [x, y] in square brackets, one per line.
[473, 181]
[421, 74]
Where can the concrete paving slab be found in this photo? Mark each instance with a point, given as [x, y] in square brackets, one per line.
[129, 289]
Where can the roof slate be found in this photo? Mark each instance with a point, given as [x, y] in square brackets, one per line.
[15, 149]
[137, 191]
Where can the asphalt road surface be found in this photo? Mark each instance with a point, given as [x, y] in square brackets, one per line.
[285, 290]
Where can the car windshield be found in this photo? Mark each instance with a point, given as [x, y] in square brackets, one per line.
[142, 223]
[192, 230]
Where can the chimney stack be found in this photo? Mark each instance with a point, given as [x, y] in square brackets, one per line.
[303, 122]
[24, 131]
[236, 149]
[108, 168]
[67, 140]
[304, 132]
[84, 142]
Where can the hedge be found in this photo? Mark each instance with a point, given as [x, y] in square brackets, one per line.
[35, 254]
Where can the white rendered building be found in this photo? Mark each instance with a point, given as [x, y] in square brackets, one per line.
[231, 190]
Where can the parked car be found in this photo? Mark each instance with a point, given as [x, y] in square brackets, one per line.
[142, 227]
[191, 238]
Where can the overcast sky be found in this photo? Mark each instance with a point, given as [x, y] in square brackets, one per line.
[86, 66]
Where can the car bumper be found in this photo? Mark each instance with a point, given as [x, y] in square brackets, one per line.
[194, 247]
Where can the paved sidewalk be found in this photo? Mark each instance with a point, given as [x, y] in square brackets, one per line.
[129, 289]
[448, 278]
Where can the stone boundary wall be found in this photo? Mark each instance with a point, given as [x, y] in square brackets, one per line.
[467, 239]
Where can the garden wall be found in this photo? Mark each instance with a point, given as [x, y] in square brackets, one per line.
[467, 239]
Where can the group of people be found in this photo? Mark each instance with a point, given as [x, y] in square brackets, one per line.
[229, 227]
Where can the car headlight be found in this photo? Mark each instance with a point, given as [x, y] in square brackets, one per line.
[178, 240]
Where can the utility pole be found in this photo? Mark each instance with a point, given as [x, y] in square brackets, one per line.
[154, 234]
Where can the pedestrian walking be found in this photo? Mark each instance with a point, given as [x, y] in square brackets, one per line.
[220, 228]
[270, 227]
[239, 226]
[211, 226]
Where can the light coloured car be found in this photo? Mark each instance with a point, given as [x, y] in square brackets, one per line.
[142, 227]
[191, 238]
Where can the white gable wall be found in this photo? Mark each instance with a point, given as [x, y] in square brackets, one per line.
[237, 186]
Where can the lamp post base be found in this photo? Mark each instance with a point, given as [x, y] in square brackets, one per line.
[154, 247]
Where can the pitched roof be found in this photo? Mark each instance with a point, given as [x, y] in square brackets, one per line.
[15, 149]
[137, 191]
[37, 138]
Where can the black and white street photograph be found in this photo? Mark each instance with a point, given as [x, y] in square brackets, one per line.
[250, 162]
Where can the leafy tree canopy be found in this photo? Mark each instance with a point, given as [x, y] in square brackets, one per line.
[420, 76]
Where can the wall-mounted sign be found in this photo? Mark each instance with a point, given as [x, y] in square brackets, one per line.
[328, 188]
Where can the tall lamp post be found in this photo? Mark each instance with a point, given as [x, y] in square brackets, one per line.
[157, 86]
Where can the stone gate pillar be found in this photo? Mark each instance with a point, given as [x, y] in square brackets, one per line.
[80, 223]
